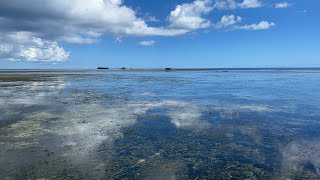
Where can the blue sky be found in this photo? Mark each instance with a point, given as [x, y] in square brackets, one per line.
[130, 33]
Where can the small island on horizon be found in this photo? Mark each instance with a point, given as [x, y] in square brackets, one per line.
[102, 68]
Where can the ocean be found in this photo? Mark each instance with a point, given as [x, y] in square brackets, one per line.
[154, 124]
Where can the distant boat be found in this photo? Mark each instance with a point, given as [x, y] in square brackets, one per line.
[102, 68]
[123, 68]
[168, 69]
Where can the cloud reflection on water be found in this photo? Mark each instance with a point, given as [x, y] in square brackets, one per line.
[73, 116]
[297, 154]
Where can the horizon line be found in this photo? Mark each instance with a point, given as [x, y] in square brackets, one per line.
[170, 68]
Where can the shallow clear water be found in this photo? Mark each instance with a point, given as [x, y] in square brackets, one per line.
[232, 124]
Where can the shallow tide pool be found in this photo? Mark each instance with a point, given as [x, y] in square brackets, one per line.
[235, 124]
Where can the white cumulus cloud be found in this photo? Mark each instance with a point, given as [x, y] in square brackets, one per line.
[25, 46]
[72, 21]
[233, 4]
[32, 30]
[260, 26]
[282, 5]
[228, 20]
[146, 43]
[250, 4]
[80, 40]
[189, 16]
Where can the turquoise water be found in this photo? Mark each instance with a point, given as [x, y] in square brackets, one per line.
[213, 124]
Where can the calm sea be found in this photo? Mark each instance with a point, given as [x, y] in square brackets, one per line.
[153, 124]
